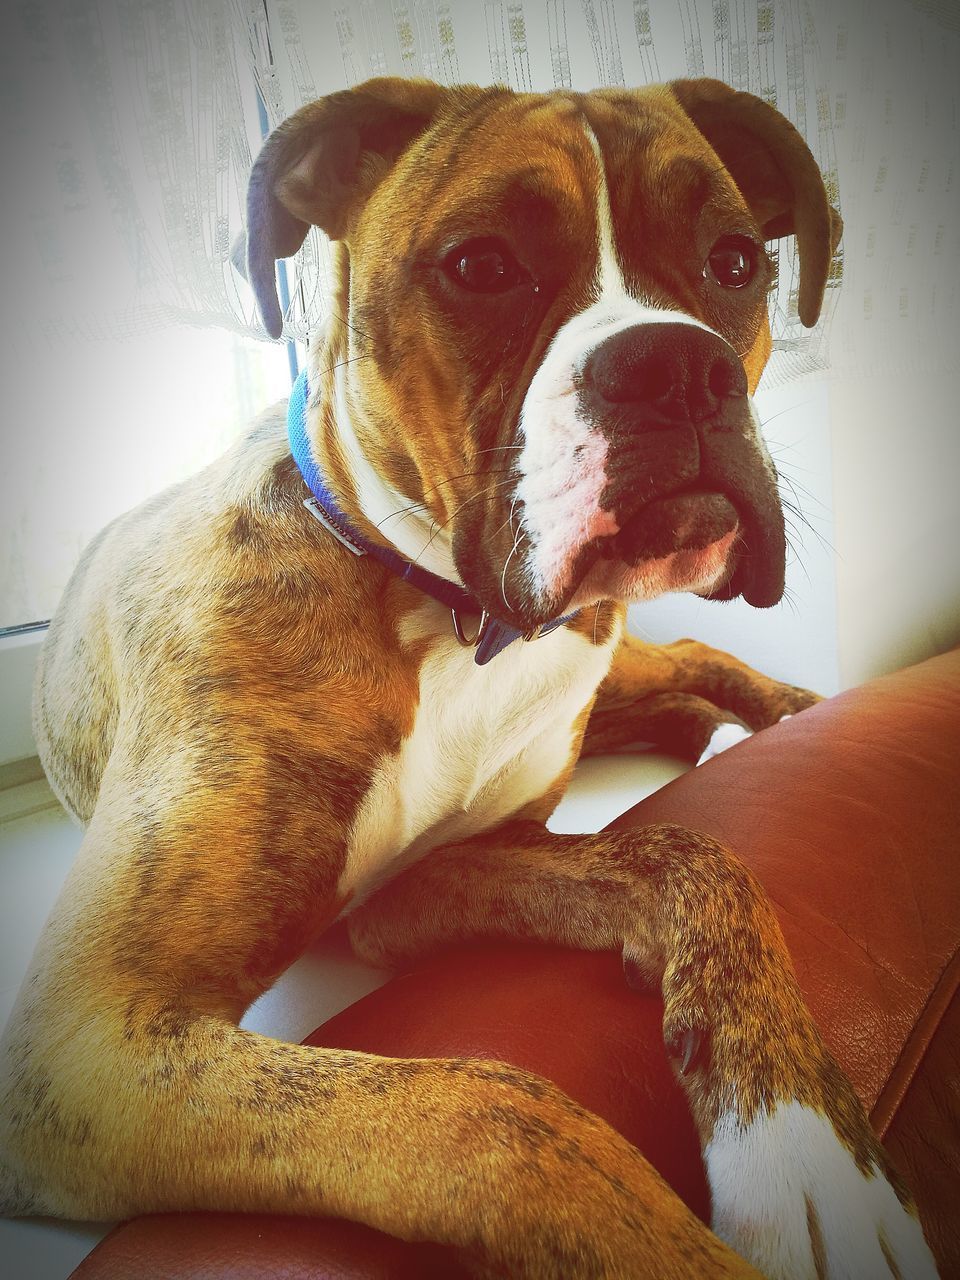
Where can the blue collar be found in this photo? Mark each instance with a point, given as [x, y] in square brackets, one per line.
[492, 636]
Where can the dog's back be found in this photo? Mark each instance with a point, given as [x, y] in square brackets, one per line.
[134, 590]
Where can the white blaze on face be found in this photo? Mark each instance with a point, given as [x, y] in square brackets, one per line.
[563, 459]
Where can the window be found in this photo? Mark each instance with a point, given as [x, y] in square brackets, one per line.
[124, 358]
[127, 137]
[96, 427]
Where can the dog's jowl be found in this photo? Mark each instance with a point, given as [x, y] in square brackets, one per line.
[347, 670]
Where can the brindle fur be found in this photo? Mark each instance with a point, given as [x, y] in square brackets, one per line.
[219, 687]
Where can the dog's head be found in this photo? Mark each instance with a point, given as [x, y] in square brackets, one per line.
[550, 318]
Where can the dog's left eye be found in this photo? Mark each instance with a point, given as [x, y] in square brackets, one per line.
[732, 262]
[484, 265]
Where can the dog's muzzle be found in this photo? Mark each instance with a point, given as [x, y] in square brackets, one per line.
[686, 466]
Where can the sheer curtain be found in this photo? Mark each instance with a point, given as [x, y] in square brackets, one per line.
[129, 127]
[766, 46]
[871, 84]
[126, 357]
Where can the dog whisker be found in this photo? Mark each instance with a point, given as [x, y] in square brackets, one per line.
[422, 506]
[341, 364]
[351, 326]
[506, 564]
[486, 494]
[797, 558]
[795, 511]
[509, 519]
[797, 488]
[790, 601]
[791, 408]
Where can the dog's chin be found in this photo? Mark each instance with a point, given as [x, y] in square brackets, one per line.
[696, 542]
[680, 543]
[700, 570]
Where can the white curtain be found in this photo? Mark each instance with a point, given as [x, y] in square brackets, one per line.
[768, 47]
[126, 132]
[129, 127]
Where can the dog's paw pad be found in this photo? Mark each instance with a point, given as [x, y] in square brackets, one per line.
[724, 737]
[789, 1196]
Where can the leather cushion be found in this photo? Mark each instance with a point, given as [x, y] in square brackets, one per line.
[259, 1246]
[848, 815]
[564, 1014]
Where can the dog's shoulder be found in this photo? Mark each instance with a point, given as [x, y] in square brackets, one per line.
[222, 607]
[226, 566]
[239, 520]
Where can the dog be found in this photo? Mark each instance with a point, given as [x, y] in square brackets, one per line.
[345, 674]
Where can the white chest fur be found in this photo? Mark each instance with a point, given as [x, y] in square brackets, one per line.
[485, 742]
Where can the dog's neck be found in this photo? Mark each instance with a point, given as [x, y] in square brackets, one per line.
[490, 637]
[373, 505]
[392, 518]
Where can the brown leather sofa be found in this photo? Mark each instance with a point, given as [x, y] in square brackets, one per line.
[850, 815]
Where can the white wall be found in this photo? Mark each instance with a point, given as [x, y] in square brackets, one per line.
[896, 465]
[892, 76]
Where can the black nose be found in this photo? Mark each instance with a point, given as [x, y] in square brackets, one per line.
[665, 374]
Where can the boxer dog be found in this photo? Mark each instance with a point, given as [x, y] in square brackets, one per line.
[533, 400]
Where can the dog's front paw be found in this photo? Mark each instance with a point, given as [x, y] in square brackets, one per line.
[725, 736]
[785, 700]
[794, 1200]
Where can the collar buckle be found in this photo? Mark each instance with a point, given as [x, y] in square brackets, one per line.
[462, 637]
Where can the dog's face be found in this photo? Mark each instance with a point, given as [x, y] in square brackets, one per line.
[552, 315]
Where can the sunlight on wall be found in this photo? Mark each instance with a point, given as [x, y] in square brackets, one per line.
[92, 432]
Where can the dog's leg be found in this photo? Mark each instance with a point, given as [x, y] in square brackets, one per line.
[127, 1087]
[800, 1185]
[638, 700]
[683, 724]
[175, 1110]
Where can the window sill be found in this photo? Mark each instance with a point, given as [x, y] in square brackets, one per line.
[18, 660]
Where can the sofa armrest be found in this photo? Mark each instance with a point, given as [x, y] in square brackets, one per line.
[848, 814]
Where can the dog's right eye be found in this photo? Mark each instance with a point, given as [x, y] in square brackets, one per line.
[732, 262]
[484, 265]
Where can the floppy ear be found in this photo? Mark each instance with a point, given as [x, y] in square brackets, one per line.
[316, 168]
[776, 173]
